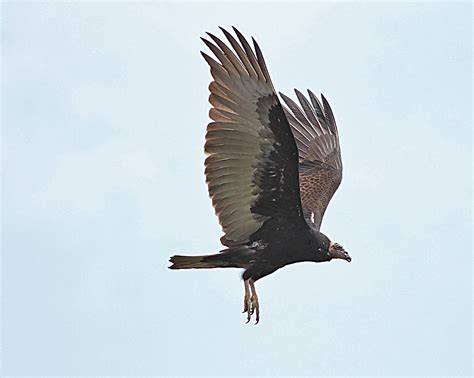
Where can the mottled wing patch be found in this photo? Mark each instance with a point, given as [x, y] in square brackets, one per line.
[320, 165]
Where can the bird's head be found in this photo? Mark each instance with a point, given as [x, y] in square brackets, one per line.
[328, 250]
[337, 251]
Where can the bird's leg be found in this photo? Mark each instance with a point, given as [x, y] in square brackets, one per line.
[251, 300]
[254, 302]
[247, 303]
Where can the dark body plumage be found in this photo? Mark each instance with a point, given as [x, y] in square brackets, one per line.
[259, 157]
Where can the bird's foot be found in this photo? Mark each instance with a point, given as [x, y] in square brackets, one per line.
[251, 304]
[255, 307]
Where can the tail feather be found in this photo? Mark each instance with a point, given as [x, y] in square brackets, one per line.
[191, 262]
[233, 257]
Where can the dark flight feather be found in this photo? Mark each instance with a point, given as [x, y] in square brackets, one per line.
[252, 140]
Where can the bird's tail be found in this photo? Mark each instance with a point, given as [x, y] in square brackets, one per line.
[190, 262]
[230, 258]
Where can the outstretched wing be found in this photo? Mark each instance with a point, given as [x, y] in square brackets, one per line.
[320, 165]
[252, 167]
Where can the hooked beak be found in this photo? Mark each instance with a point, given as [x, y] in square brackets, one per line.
[337, 251]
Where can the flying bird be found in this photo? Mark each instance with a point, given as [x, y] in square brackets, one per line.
[271, 170]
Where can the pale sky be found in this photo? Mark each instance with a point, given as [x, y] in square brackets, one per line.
[104, 111]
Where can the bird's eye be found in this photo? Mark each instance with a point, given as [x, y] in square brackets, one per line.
[320, 249]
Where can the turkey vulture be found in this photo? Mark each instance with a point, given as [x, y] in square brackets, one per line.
[271, 170]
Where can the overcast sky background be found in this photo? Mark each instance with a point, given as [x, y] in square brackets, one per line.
[104, 115]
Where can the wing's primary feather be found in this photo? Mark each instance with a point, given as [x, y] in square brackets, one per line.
[320, 165]
[252, 167]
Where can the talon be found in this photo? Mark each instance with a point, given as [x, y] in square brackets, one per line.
[249, 315]
[257, 311]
